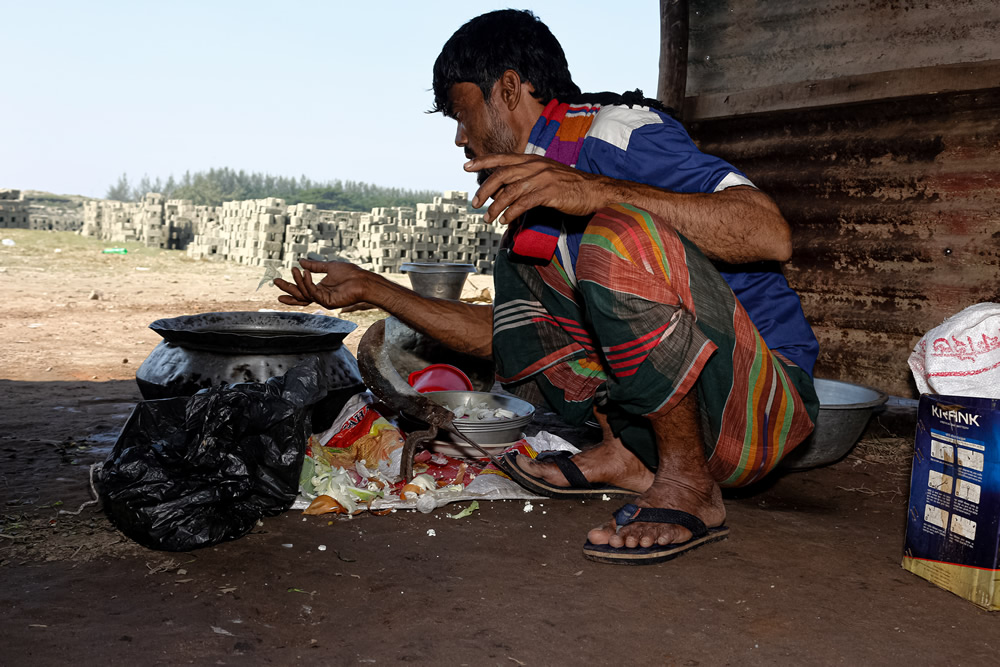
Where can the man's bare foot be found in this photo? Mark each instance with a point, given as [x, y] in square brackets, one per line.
[608, 463]
[703, 500]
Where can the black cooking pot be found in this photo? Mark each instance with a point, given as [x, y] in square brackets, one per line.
[210, 349]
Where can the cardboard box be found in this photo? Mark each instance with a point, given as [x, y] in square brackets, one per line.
[953, 522]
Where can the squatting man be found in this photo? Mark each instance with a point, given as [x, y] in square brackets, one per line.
[637, 284]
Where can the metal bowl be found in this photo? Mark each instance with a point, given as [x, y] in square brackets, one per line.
[491, 432]
[442, 280]
[844, 411]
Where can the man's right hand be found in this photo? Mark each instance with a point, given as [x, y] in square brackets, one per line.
[343, 285]
[463, 327]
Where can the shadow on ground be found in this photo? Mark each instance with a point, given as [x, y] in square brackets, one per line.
[810, 575]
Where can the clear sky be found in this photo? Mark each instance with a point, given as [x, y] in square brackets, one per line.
[327, 89]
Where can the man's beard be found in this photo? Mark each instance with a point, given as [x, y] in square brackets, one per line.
[499, 139]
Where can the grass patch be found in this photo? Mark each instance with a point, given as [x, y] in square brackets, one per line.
[47, 250]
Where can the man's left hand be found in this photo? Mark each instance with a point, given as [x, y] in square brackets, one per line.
[521, 182]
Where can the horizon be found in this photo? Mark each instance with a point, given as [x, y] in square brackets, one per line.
[157, 91]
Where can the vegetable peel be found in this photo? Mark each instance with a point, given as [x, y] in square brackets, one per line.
[473, 506]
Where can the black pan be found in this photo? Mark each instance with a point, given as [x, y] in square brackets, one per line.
[252, 332]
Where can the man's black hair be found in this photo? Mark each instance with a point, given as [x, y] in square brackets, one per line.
[487, 46]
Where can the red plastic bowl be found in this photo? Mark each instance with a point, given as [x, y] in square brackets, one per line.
[439, 377]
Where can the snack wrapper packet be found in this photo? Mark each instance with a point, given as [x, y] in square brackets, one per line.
[359, 434]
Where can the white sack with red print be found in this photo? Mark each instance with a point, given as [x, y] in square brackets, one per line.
[961, 356]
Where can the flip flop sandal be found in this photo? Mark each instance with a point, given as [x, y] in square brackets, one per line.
[700, 536]
[578, 487]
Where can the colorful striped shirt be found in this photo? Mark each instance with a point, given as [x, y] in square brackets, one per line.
[647, 146]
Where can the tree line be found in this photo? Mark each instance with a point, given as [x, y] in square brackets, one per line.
[215, 186]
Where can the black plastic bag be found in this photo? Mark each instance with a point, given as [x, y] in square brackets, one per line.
[192, 472]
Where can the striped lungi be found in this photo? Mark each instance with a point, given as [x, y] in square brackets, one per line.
[631, 316]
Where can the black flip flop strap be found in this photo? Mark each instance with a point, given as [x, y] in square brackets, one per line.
[569, 469]
[632, 513]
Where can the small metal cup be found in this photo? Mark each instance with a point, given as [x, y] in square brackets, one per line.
[442, 280]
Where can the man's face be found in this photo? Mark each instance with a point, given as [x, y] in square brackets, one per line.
[481, 126]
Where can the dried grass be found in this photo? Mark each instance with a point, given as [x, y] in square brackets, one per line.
[889, 451]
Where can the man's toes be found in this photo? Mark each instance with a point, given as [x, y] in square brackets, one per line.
[646, 535]
[676, 535]
[602, 535]
[635, 538]
[598, 536]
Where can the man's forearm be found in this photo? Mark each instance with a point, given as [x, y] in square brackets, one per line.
[464, 327]
[736, 225]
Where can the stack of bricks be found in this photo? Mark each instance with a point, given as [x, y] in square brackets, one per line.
[254, 231]
[300, 233]
[116, 221]
[442, 231]
[93, 218]
[266, 232]
[328, 234]
[207, 237]
[51, 218]
[153, 230]
[13, 210]
[382, 238]
[184, 219]
[484, 243]
[342, 226]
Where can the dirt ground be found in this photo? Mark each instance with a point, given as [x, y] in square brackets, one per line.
[810, 575]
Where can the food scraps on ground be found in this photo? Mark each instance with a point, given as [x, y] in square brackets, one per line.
[473, 506]
[354, 466]
[417, 487]
[324, 505]
[333, 489]
[319, 479]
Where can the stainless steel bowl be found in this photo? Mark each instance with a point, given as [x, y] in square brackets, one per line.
[442, 280]
[844, 411]
[491, 432]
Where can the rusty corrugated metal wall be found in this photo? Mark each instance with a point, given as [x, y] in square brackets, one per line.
[895, 210]
[890, 180]
[739, 45]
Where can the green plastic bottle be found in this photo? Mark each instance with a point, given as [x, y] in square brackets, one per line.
[115, 251]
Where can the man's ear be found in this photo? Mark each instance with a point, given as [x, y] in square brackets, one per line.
[510, 89]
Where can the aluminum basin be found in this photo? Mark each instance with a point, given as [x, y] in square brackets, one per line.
[844, 411]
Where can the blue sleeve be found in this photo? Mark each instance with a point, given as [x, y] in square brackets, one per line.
[776, 311]
[655, 153]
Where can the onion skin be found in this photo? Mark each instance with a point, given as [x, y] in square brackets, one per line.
[415, 489]
[324, 505]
